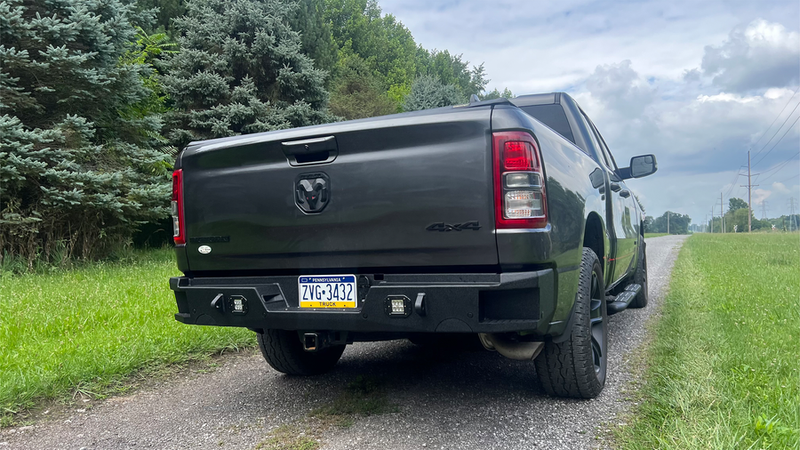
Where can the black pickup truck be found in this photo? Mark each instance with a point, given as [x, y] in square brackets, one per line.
[508, 219]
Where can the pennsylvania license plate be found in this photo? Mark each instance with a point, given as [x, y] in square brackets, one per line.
[327, 291]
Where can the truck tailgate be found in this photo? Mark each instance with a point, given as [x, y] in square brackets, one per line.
[394, 191]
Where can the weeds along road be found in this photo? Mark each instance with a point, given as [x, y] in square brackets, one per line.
[450, 399]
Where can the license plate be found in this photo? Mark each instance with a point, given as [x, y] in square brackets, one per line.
[327, 291]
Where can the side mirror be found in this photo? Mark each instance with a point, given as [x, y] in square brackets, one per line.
[641, 166]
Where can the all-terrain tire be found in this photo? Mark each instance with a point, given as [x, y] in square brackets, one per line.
[574, 368]
[640, 278]
[283, 350]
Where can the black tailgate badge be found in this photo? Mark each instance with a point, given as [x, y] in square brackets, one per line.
[441, 226]
[312, 192]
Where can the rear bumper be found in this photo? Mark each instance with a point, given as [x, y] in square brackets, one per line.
[453, 303]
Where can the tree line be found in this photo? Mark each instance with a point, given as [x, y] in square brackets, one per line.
[97, 96]
[678, 223]
[734, 220]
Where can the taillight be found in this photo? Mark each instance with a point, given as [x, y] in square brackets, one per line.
[178, 230]
[519, 196]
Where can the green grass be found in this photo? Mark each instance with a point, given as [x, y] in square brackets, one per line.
[290, 437]
[724, 366]
[85, 331]
[652, 235]
[364, 396]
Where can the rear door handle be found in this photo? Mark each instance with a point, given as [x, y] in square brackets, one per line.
[615, 187]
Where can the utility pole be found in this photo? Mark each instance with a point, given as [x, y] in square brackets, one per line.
[791, 213]
[712, 218]
[749, 187]
[721, 212]
[706, 221]
[667, 222]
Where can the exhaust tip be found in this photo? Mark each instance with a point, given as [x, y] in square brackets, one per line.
[521, 351]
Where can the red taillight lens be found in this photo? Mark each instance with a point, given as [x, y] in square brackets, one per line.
[519, 199]
[518, 155]
[177, 208]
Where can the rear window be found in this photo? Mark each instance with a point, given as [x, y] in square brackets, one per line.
[552, 116]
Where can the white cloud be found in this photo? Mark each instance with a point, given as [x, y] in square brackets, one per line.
[700, 139]
[724, 97]
[759, 195]
[620, 88]
[696, 83]
[761, 55]
[780, 188]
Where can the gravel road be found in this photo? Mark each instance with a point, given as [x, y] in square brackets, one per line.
[463, 399]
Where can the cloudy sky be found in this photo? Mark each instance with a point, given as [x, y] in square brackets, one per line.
[698, 83]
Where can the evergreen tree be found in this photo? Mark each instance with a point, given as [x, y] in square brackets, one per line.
[428, 92]
[164, 11]
[496, 94]
[383, 42]
[357, 92]
[240, 70]
[81, 158]
[450, 69]
[315, 33]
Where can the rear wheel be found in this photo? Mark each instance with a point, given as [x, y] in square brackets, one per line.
[284, 351]
[640, 278]
[577, 367]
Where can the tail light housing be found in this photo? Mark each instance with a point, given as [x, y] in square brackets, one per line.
[178, 226]
[519, 194]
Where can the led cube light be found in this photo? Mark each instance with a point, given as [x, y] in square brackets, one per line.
[398, 306]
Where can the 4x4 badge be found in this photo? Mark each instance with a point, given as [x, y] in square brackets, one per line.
[441, 226]
[312, 192]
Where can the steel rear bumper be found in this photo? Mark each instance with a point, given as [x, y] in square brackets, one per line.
[446, 303]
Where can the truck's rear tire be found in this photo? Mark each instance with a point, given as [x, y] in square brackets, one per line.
[284, 352]
[640, 278]
[577, 367]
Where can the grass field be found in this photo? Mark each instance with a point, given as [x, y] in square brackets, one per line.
[652, 235]
[86, 330]
[724, 366]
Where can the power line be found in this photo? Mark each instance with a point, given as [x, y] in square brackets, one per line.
[775, 170]
[779, 129]
[779, 140]
[733, 182]
[775, 119]
[789, 179]
[733, 185]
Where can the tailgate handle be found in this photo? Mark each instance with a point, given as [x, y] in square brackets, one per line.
[311, 151]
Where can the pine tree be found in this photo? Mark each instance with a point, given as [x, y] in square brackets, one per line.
[428, 92]
[315, 33]
[81, 160]
[240, 70]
